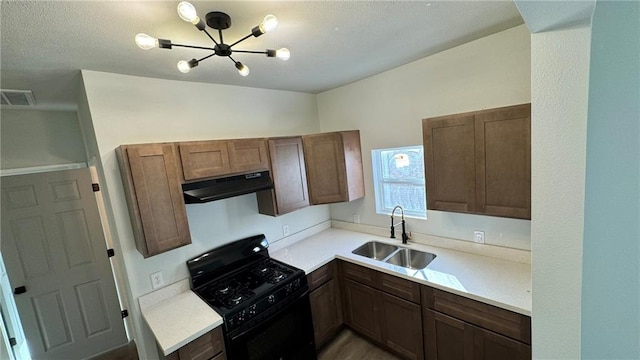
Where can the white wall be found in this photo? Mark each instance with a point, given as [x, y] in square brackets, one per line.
[560, 82]
[129, 110]
[388, 110]
[39, 138]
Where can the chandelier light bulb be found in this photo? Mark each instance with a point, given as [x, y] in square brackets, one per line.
[269, 23]
[146, 42]
[242, 69]
[283, 54]
[188, 12]
[183, 66]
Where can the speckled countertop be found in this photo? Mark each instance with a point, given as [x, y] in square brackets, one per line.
[177, 316]
[502, 283]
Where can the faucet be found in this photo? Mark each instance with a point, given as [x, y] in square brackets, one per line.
[393, 226]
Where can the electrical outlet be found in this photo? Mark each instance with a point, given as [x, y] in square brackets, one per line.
[156, 280]
[356, 219]
[478, 236]
[285, 230]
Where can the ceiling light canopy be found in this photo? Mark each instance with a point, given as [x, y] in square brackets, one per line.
[219, 21]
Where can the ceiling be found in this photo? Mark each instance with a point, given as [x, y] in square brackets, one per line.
[44, 44]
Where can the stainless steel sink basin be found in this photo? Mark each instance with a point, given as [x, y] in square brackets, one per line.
[375, 250]
[412, 259]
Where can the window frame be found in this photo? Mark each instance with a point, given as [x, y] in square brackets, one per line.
[378, 181]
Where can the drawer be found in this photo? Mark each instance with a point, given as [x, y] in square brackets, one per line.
[399, 287]
[203, 348]
[359, 273]
[501, 321]
[320, 276]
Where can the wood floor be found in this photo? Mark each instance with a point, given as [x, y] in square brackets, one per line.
[349, 346]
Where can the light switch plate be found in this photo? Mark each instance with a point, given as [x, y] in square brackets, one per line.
[478, 237]
[356, 219]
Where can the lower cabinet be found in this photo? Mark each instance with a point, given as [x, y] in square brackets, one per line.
[457, 328]
[209, 346]
[326, 309]
[387, 319]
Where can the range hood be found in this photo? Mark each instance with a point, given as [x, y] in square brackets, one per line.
[222, 188]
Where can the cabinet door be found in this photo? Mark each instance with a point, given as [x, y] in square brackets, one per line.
[503, 161]
[203, 348]
[325, 312]
[491, 346]
[247, 155]
[449, 163]
[289, 175]
[362, 309]
[402, 326]
[447, 338]
[158, 198]
[326, 170]
[204, 159]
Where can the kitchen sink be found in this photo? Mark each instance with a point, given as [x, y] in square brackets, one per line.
[375, 250]
[412, 259]
[391, 254]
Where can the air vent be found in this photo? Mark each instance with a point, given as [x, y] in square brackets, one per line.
[17, 98]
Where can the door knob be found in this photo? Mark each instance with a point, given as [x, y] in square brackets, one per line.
[20, 290]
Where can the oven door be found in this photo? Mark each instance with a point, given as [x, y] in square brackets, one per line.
[285, 335]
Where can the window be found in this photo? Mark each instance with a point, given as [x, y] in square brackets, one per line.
[398, 178]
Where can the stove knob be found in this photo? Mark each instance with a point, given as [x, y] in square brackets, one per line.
[241, 316]
[271, 299]
[252, 310]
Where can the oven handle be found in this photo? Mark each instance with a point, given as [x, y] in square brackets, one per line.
[241, 331]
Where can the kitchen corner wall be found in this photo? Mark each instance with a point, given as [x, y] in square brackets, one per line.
[388, 109]
[124, 109]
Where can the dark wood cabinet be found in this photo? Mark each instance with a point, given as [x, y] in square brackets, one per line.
[459, 328]
[204, 159]
[384, 308]
[401, 326]
[362, 309]
[480, 162]
[326, 309]
[289, 178]
[215, 158]
[152, 185]
[334, 167]
[206, 347]
[247, 155]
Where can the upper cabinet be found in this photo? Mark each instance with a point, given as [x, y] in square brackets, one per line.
[480, 162]
[334, 166]
[289, 178]
[152, 185]
[207, 159]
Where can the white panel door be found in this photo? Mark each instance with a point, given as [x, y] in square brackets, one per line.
[53, 245]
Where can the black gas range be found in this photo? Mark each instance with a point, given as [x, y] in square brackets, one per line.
[264, 302]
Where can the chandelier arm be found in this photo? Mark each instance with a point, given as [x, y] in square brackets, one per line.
[210, 37]
[250, 51]
[241, 40]
[206, 57]
[232, 59]
[194, 47]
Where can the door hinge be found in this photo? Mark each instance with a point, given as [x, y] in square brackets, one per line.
[20, 290]
[95, 186]
[13, 342]
[124, 313]
[111, 253]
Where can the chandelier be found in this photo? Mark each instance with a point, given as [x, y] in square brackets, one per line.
[219, 21]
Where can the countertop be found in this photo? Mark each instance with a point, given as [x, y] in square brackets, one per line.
[177, 316]
[502, 283]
